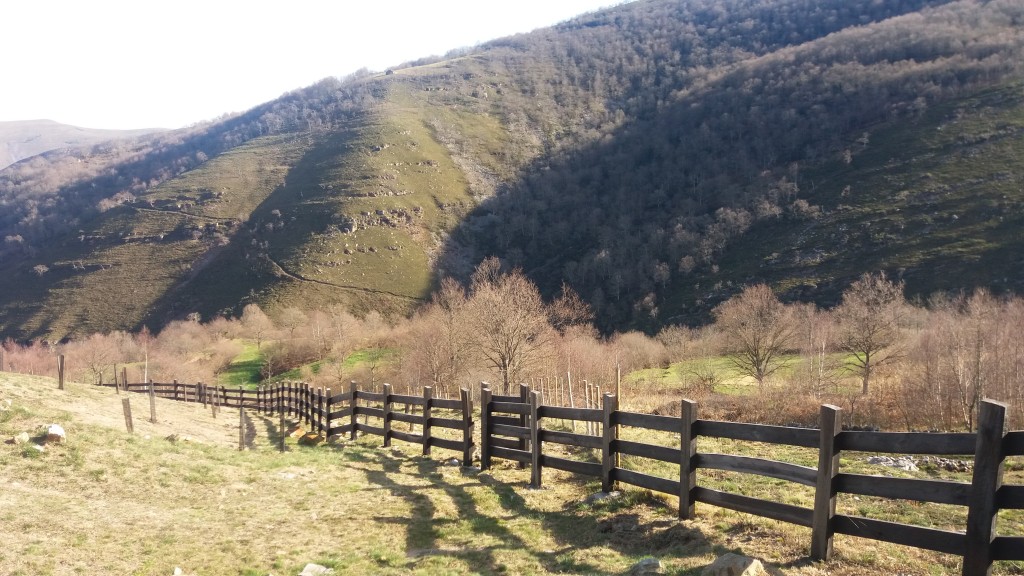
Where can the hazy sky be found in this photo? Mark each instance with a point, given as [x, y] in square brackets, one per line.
[170, 63]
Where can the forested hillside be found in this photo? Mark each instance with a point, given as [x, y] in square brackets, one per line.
[655, 156]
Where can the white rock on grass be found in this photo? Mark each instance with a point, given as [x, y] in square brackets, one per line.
[646, 566]
[316, 570]
[734, 565]
[22, 438]
[55, 434]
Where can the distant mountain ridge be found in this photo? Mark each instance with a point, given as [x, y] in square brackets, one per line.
[22, 139]
[655, 156]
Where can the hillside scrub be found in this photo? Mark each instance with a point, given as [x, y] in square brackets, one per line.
[941, 357]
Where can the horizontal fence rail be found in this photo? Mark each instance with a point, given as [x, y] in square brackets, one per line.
[519, 427]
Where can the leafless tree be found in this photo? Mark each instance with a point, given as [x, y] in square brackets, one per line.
[758, 328]
[869, 324]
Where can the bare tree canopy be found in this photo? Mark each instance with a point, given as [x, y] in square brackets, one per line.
[869, 324]
[758, 328]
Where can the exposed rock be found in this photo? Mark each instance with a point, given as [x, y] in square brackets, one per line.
[315, 570]
[452, 462]
[734, 565]
[602, 496]
[646, 566]
[310, 439]
[900, 462]
[55, 434]
[22, 438]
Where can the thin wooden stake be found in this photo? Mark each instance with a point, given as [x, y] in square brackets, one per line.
[126, 405]
[60, 372]
[152, 403]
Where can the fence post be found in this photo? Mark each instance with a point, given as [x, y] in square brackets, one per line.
[241, 427]
[467, 427]
[327, 413]
[126, 405]
[353, 398]
[387, 414]
[524, 420]
[428, 397]
[609, 405]
[688, 449]
[280, 415]
[60, 372]
[152, 402]
[535, 444]
[822, 523]
[485, 426]
[988, 477]
[124, 377]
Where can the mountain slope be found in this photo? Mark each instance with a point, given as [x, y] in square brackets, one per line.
[26, 138]
[655, 156]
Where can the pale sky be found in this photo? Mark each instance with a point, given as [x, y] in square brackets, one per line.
[170, 63]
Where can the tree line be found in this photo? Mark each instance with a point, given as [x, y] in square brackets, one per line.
[889, 362]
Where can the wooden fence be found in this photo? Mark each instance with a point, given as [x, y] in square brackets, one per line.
[338, 414]
[512, 428]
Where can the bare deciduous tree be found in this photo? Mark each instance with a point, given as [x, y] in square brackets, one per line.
[869, 324]
[758, 329]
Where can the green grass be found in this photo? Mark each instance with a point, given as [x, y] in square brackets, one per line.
[245, 369]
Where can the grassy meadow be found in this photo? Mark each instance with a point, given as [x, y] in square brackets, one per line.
[148, 502]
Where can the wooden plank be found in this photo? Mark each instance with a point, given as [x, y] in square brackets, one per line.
[574, 466]
[504, 442]
[646, 421]
[510, 408]
[749, 465]
[823, 515]
[536, 465]
[513, 431]
[485, 427]
[347, 428]
[406, 399]
[1010, 497]
[407, 418]
[687, 453]
[507, 420]
[581, 414]
[1008, 548]
[660, 453]
[446, 404]
[609, 404]
[908, 443]
[369, 396]
[447, 444]
[663, 485]
[406, 437]
[343, 413]
[937, 491]
[450, 423]
[757, 507]
[903, 534]
[804, 437]
[1013, 444]
[570, 439]
[376, 431]
[985, 483]
[364, 410]
[339, 398]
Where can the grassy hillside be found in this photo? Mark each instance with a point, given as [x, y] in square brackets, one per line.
[655, 156]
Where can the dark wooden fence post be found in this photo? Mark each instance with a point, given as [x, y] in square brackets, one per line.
[428, 398]
[124, 377]
[280, 415]
[241, 428]
[535, 444]
[687, 451]
[353, 399]
[485, 426]
[609, 405]
[524, 397]
[467, 427]
[387, 414]
[126, 405]
[822, 523]
[326, 407]
[988, 477]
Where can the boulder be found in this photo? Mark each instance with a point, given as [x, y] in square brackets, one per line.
[22, 438]
[55, 434]
[734, 565]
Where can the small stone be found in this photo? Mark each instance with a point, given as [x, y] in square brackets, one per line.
[646, 566]
[178, 571]
[602, 496]
[38, 448]
[315, 570]
[172, 438]
[55, 434]
[734, 565]
[452, 462]
[22, 438]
